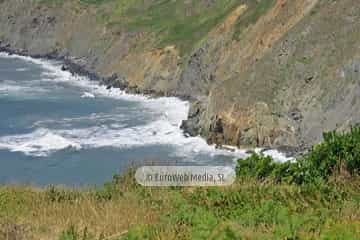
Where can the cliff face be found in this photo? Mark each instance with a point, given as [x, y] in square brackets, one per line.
[293, 75]
[260, 73]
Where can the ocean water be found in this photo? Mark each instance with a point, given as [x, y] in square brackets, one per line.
[56, 128]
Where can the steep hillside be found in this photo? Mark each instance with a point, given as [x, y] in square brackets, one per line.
[273, 73]
[291, 76]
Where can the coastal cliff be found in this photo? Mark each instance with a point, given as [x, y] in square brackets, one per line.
[269, 73]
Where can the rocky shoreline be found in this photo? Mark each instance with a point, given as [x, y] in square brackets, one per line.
[251, 82]
[113, 81]
[191, 126]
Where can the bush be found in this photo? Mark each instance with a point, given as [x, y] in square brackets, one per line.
[338, 153]
[258, 166]
[262, 167]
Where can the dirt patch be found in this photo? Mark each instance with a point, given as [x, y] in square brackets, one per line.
[11, 231]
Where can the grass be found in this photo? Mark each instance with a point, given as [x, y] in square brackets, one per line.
[256, 10]
[180, 23]
[317, 197]
[249, 209]
[54, 213]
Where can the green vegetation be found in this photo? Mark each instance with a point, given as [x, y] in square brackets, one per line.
[181, 23]
[316, 197]
[256, 10]
[337, 155]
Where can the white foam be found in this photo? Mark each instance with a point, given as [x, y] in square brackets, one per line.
[21, 69]
[87, 95]
[43, 142]
[39, 143]
[52, 69]
[164, 130]
[278, 156]
[12, 88]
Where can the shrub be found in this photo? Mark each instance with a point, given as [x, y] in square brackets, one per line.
[338, 153]
[258, 166]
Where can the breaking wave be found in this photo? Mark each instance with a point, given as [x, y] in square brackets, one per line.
[163, 130]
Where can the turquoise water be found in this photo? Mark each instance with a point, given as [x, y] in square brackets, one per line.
[56, 128]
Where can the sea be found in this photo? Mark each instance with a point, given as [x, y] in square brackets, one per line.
[57, 128]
